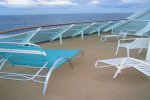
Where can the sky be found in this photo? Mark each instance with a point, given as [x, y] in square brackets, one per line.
[12, 7]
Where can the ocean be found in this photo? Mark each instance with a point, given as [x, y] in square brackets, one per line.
[8, 22]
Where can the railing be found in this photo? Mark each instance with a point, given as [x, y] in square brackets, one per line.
[29, 34]
[52, 25]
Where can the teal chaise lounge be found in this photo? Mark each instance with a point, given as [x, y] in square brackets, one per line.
[32, 56]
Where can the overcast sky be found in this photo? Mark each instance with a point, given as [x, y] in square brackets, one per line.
[71, 6]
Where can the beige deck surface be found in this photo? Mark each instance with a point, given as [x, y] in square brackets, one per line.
[84, 82]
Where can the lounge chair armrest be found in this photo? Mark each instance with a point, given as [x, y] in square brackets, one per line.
[140, 61]
[97, 64]
[127, 30]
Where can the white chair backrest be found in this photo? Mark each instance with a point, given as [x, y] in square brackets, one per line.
[140, 42]
[148, 52]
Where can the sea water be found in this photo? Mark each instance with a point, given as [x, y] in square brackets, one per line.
[8, 22]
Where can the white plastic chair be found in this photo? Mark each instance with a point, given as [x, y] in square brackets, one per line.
[132, 43]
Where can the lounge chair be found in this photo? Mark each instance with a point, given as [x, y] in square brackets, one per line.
[125, 32]
[121, 63]
[132, 43]
[31, 56]
[126, 62]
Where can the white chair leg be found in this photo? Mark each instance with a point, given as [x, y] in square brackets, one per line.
[124, 36]
[128, 55]
[103, 38]
[117, 50]
[49, 74]
[140, 50]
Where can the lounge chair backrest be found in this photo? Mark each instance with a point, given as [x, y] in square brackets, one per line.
[21, 54]
[140, 42]
[145, 29]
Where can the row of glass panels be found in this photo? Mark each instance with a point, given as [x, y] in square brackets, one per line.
[52, 33]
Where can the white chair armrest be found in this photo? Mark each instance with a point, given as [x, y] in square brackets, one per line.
[126, 40]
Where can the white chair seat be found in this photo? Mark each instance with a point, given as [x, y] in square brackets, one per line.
[124, 45]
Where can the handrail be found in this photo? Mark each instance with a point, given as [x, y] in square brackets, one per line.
[52, 25]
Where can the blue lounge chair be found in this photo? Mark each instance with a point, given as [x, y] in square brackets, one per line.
[32, 56]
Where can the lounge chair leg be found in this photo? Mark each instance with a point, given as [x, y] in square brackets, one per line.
[117, 72]
[49, 74]
[46, 81]
[71, 65]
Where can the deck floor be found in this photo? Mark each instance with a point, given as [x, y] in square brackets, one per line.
[84, 82]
